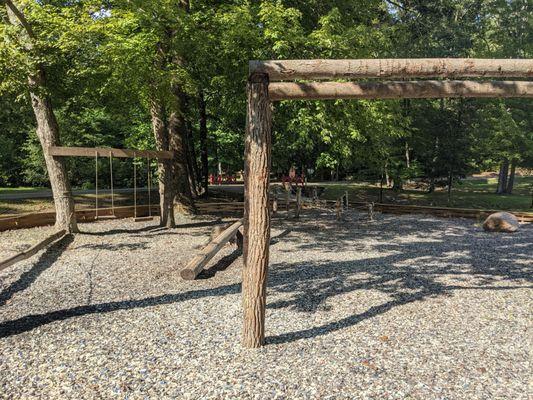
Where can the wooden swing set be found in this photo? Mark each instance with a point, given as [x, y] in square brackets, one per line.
[272, 81]
[57, 151]
[116, 153]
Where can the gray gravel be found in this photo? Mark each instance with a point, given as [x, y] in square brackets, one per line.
[407, 307]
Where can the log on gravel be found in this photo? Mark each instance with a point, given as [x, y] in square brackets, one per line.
[197, 264]
[32, 250]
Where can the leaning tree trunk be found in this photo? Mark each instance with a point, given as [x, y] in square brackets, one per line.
[47, 127]
[256, 211]
[177, 130]
[510, 182]
[203, 142]
[166, 195]
[48, 133]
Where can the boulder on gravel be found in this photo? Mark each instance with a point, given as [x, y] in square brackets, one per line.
[501, 222]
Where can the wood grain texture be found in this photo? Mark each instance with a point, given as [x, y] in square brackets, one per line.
[398, 89]
[256, 211]
[197, 264]
[279, 70]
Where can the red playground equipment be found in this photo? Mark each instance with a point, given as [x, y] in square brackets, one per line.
[293, 180]
[219, 179]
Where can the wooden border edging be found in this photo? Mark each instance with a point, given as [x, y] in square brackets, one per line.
[59, 151]
[197, 264]
[32, 250]
[398, 89]
[34, 220]
[280, 70]
[448, 212]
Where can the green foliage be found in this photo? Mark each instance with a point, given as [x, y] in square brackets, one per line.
[106, 60]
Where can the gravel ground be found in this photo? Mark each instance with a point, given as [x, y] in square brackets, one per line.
[407, 307]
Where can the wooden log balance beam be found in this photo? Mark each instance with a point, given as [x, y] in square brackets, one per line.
[287, 70]
[197, 264]
[398, 89]
[32, 250]
[58, 151]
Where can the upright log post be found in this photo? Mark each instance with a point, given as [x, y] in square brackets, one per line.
[287, 200]
[298, 202]
[256, 211]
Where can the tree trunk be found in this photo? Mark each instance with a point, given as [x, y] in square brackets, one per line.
[48, 133]
[256, 211]
[381, 188]
[177, 130]
[191, 161]
[166, 195]
[450, 182]
[407, 155]
[47, 129]
[510, 182]
[502, 177]
[203, 142]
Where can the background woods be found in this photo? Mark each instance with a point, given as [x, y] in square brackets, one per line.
[171, 74]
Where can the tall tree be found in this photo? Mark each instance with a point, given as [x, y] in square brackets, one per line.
[47, 126]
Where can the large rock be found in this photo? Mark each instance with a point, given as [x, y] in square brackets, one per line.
[501, 222]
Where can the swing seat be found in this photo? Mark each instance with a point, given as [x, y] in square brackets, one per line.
[104, 217]
[143, 219]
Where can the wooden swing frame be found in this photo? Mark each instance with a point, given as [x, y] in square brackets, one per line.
[60, 151]
[271, 81]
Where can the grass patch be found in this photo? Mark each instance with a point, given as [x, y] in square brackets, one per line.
[6, 190]
[471, 193]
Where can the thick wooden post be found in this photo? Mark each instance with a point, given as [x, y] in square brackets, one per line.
[256, 210]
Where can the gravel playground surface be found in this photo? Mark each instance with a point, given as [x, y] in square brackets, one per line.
[407, 307]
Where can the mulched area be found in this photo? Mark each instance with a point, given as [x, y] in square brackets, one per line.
[404, 307]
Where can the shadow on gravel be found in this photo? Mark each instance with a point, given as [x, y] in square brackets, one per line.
[407, 271]
[155, 229]
[45, 261]
[220, 266]
[440, 258]
[151, 228]
[30, 322]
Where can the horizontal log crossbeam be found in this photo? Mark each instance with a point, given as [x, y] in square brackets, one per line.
[280, 70]
[398, 89]
[58, 151]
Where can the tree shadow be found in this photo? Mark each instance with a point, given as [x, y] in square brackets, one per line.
[45, 261]
[151, 228]
[436, 264]
[407, 271]
[114, 246]
[155, 229]
[30, 322]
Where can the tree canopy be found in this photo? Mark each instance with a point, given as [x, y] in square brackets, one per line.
[106, 62]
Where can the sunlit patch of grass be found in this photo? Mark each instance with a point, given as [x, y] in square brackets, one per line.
[6, 190]
[472, 193]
